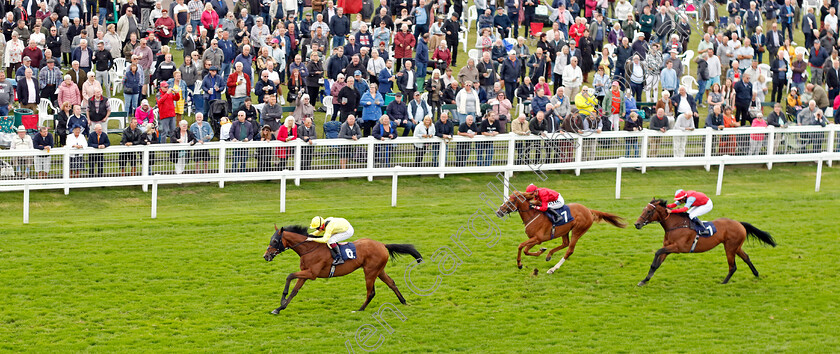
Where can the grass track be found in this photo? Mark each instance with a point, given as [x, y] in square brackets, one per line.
[105, 277]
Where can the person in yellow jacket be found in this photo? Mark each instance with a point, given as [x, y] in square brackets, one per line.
[331, 231]
[585, 101]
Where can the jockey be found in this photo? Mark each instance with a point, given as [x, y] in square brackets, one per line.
[331, 231]
[696, 204]
[549, 200]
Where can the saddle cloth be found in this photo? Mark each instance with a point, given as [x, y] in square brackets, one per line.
[347, 250]
[565, 216]
[708, 226]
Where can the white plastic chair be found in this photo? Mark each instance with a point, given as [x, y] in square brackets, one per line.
[43, 114]
[116, 75]
[117, 105]
[474, 54]
[463, 37]
[472, 16]
[686, 60]
[328, 105]
[690, 84]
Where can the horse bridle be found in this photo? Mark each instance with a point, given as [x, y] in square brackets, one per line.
[281, 250]
[523, 221]
[647, 221]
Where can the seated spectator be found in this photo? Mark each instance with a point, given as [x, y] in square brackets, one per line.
[398, 113]
[97, 140]
[22, 141]
[384, 130]
[203, 134]
[76, 141]
[182, 136]
[426, 130]
[131, 136]
[467, 129]
[351, 131]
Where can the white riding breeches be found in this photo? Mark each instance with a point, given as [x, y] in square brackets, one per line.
[341, 236]
[697, 211]
[557, 204]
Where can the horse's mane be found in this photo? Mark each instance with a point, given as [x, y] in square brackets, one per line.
[660, 202]
[298, 229]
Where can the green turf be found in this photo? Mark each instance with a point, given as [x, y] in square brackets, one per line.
[92, 272]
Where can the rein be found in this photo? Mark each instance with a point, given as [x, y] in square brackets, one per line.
[293, 247]
[532, 220]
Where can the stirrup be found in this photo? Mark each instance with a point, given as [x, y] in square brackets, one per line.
[337, 261]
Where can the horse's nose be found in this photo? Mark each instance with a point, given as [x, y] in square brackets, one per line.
[638, 226]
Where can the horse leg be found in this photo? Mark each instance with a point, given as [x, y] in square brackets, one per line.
[658, 258]
[555, 249]
[301, 276]
[746, 259]
[391, 284]
[531, 241]
[730, 258]
[527, 249]
[370, 279]
[575, 237]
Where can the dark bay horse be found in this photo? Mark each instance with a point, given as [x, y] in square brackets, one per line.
[680, 237]
[316, 260]
[538, 226]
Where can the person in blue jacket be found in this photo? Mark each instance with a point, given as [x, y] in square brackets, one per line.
[371, 102]
[421, 56]
[386, 77]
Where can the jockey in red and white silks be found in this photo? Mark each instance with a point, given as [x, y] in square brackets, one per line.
[696, 204]
[550, 200]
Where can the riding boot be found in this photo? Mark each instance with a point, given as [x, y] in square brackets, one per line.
[337, 260]
[553, 216]
[699, 226]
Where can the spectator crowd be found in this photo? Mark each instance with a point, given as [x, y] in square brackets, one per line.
[260, 70]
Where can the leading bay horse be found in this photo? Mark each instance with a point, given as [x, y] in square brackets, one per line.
[680, 237]
[538, 226]
[316, 261]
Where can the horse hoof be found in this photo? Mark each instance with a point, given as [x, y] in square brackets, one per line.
[543, 249]
[276, 311]
[642, 283]
[519, 265]
[550, 271]
[547, 258]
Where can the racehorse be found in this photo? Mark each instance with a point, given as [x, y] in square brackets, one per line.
[680, 237]
[538, 226]
[316, 260]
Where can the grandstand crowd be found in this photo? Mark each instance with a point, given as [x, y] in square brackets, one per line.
[260, 70]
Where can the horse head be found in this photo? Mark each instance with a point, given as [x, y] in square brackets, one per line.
[652, 212]
[516, 202]
[276, 245]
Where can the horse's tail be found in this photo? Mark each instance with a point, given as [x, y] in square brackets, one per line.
[761, 235]
[613, 219]
[396, 249]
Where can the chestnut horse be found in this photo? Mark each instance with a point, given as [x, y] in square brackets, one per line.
[316, 261]
[680, 237]
[538, 226]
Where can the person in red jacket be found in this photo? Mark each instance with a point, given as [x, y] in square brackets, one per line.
[549, 201]
[238, 87]
[166, 111]
[696, 204]
[404, 43]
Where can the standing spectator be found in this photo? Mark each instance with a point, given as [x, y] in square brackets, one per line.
[209, 19]
[166, 110]
[43, 141]
[145, 59]
[509, 73]
[467, 129]
[181, 136]
[339, 27]
[684, 122]
[271, 114]
[404, 43]
[816, 60]
[349, 130]
[307, 134]
[287, 132]
[50, 78]
[79, 119]
[632, 124]
[315, 71]
[7, 95]
[97, 140]
[131, 136]
[132, 81]
[435, 86]
[614, 106]
[22, 141]
[744, 95]
[757, 139]
[165, 27]
[426, 130]
[98, 109]
[398, 113]
[348, 99]
[384, 130]
[489, 127]
[238, 86]
[303, 109]
[658, 122]
[103, 62]
[28, 91]
[371, 102]
[61, 119]
[242, 131]
[573, 77]
[76, 141]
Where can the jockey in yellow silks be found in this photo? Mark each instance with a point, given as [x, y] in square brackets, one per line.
[331, 231]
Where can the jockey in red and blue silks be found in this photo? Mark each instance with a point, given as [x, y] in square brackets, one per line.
[696, 204]
[550, 201]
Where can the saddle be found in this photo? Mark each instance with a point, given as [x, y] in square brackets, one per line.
[704, 229]
[347, 251]
[559, 217]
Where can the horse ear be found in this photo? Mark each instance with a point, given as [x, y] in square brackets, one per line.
[275, 227]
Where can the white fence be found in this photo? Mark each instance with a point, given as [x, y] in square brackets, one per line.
[333, 158]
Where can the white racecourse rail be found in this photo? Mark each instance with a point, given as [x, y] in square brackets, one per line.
[333, 158]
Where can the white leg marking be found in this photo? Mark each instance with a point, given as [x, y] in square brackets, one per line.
[552, 269]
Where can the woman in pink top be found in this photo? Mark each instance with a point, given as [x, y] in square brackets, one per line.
[210, 20]
[144, 113]
[757, 139]
[68, 91]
